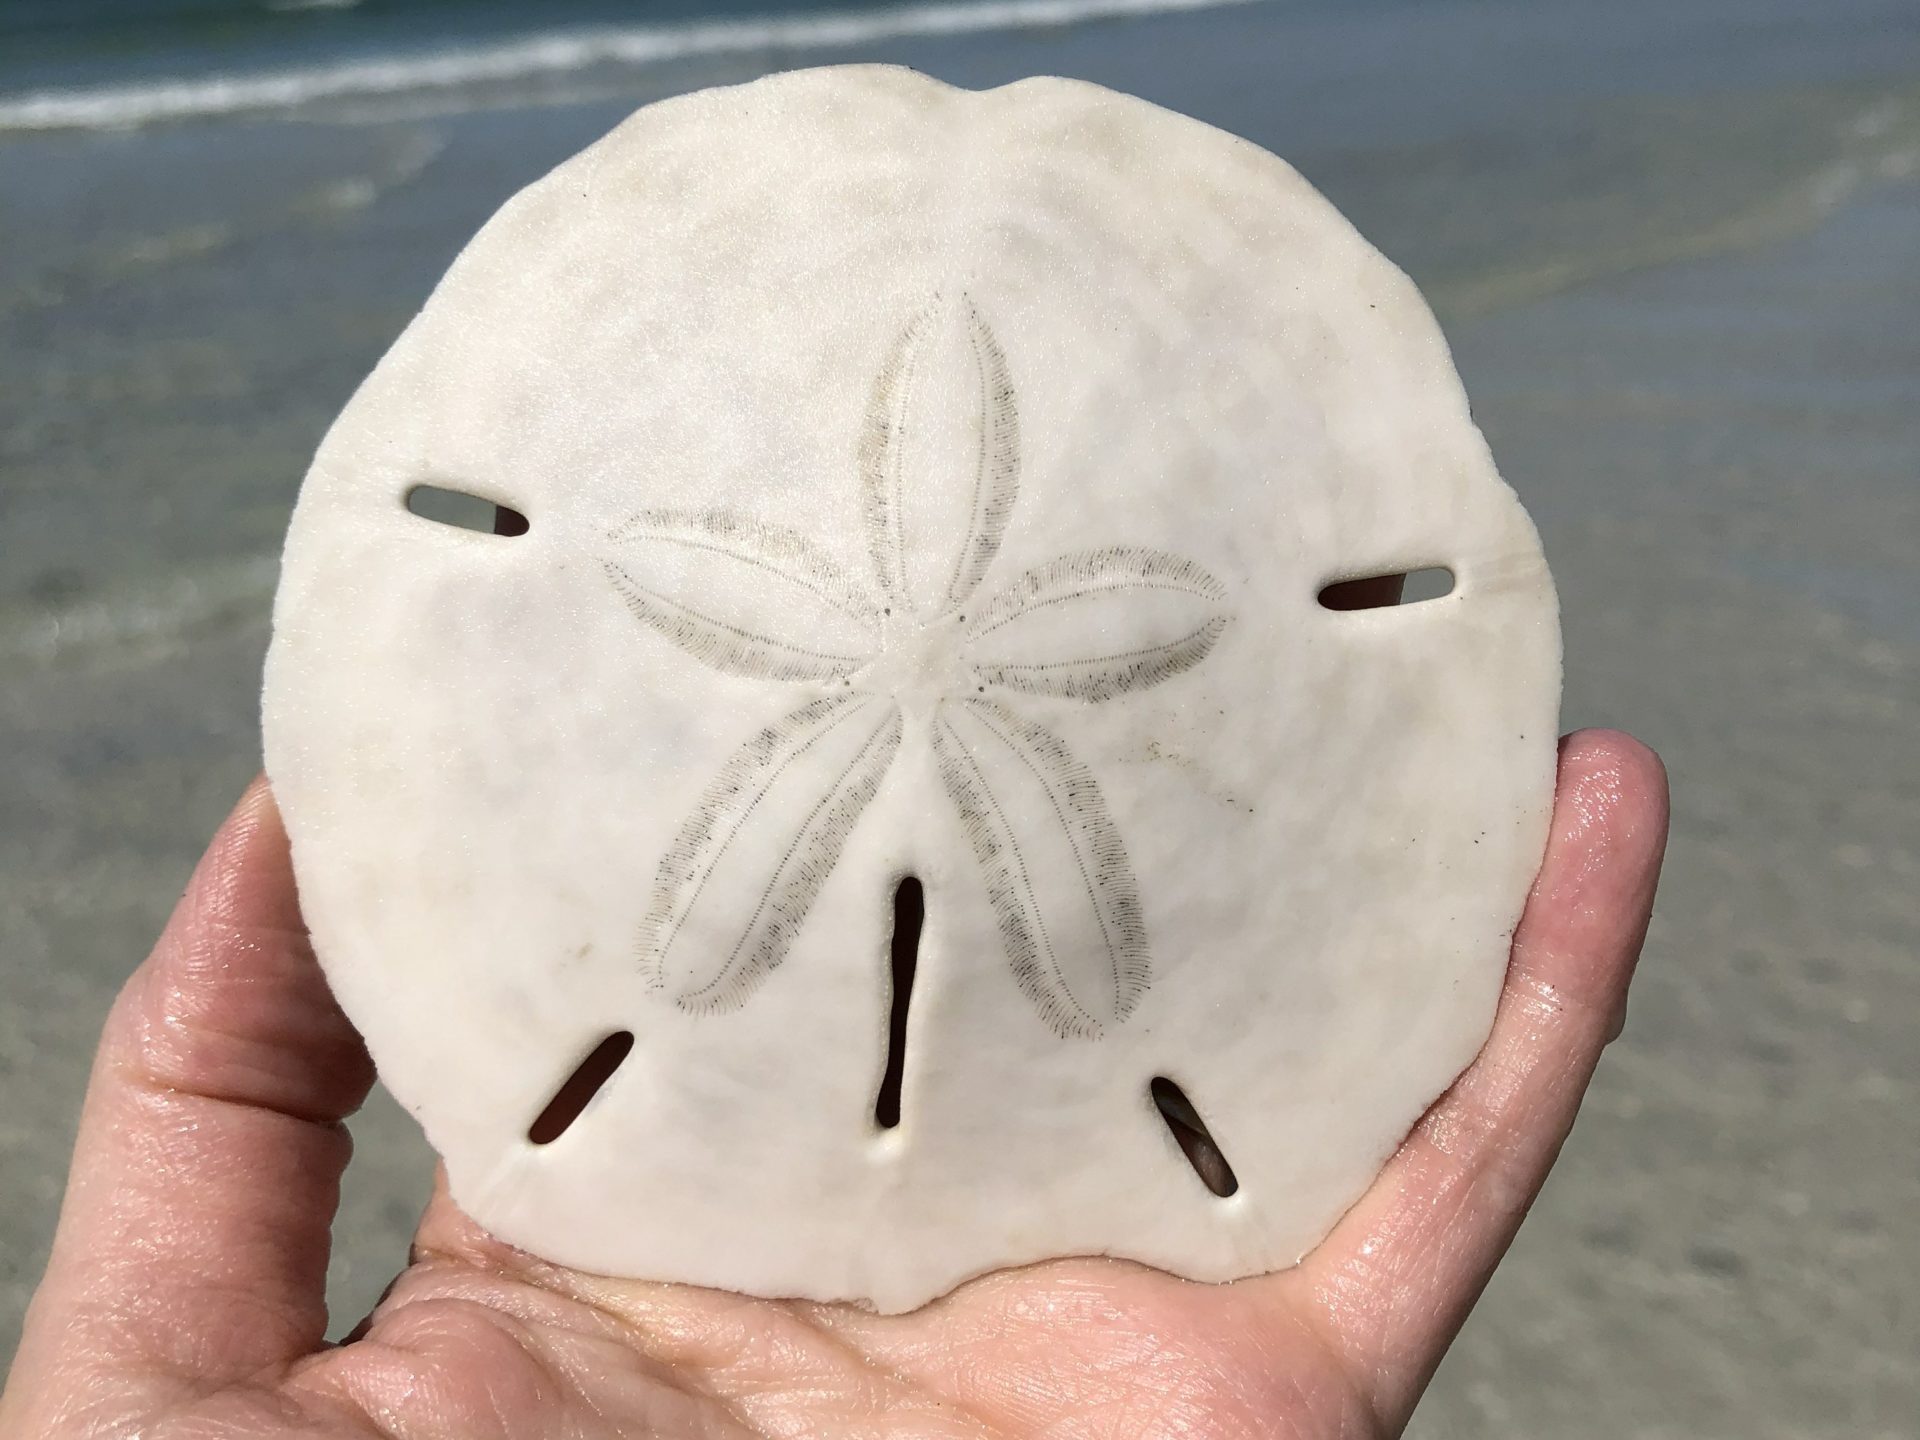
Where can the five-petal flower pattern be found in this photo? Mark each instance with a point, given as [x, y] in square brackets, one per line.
[906, 657]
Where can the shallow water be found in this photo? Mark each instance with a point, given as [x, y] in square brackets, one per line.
[1675, 246]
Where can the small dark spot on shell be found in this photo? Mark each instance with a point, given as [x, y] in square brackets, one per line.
[1720, 1260]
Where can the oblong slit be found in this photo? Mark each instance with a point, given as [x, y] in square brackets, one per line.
[576, 1092]
[1377, 592]
[909, 915]
[465, 511]
[1195, 1140]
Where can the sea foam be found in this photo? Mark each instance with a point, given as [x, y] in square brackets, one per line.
[551, 54]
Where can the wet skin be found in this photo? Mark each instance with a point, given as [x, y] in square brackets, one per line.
[184, 1297]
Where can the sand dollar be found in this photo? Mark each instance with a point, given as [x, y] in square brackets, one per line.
[933, 485]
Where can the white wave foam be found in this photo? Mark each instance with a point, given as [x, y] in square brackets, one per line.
[556, 53]
[152, 621]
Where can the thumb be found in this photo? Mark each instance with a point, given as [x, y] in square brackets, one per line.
[192, 1246]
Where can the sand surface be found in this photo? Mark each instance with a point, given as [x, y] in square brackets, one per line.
[1677, 247]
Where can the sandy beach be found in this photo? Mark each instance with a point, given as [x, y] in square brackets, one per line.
[1677, 249]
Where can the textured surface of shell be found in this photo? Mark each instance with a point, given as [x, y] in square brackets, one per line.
[886, 791]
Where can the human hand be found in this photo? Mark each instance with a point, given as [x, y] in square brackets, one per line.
[185, 1296]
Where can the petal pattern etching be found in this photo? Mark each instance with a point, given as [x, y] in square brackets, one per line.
[909, 656]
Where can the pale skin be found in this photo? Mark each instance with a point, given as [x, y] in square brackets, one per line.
[184, 1296]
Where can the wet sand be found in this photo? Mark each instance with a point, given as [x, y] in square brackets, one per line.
[1675, 247]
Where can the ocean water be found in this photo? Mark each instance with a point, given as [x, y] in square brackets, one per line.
[128, 63]
[215, 216]
[1676, 244]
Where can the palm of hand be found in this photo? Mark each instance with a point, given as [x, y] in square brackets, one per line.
[184, 1299]
[473, 1344]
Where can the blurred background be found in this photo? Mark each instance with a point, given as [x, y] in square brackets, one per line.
[1676, 244]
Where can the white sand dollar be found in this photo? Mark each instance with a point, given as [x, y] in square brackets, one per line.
[919, 483]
